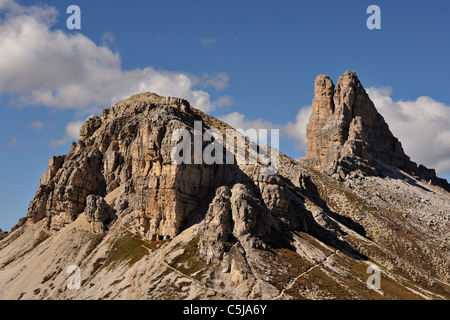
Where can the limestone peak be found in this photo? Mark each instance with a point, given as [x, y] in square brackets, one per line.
[346, 132]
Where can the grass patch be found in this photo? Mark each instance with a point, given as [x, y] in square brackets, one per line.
[287, 265]
[98, 264]
[128, 248]
[95, 240]
[41, 238]
[189, 262]
[154, 245]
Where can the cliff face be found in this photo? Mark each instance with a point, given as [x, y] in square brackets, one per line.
[141, 226]
[346, 133]
[124, 156]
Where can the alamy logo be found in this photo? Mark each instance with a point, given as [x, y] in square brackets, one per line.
[208, 147]
[374, 21]
[374, 281]
[74, 20]
[74, 281]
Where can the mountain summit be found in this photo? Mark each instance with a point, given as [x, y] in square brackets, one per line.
[345, 132]
[138, 225]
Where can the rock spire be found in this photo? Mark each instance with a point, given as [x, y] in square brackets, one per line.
[345, 132]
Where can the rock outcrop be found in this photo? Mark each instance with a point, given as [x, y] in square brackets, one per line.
[124, 156]
[98, 213]
[345, 132]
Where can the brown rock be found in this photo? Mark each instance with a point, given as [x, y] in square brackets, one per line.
[345, 132]
[125, 155]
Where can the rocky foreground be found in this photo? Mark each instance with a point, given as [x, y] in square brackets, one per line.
[140, 226]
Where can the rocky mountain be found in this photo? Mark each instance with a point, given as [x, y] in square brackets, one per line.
[137, 225]
[346, 133]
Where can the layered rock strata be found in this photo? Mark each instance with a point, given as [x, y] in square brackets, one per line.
[123, 164]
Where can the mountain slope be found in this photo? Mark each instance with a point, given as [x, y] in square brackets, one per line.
[140, 226]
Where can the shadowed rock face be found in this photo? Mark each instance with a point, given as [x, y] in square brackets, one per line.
[346, 132]
[98, 213]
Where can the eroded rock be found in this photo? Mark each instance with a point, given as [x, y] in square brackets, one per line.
[98, 213]
[346, 133]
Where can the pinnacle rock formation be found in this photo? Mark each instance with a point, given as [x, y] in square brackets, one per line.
[345, 132]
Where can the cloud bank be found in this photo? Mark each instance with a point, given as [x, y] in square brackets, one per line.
[42, 66]
[293, 130]
[422, 125]
[72, 133]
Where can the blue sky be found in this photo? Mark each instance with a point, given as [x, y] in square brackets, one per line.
[252, 63]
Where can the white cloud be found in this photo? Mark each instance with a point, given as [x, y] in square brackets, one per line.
[295, 131]
[219, 81]
[422, 126]
[13, 142]
[223, 101]
[108, 38]
[40, 65]
[72, 134]
[208, 41]
[73, 129]
[37, 125]
[239, 121]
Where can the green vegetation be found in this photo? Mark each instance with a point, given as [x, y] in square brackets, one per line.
[128, 248]
[287, 265]
[98, 264]
[154, 245]
[189, 262]
[43, 235]
[95, 240]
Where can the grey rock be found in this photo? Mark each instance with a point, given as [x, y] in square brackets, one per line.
[98, 213]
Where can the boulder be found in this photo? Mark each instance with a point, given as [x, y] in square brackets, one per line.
[98, 213]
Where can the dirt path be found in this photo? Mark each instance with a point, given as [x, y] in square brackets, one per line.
[303, 273]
